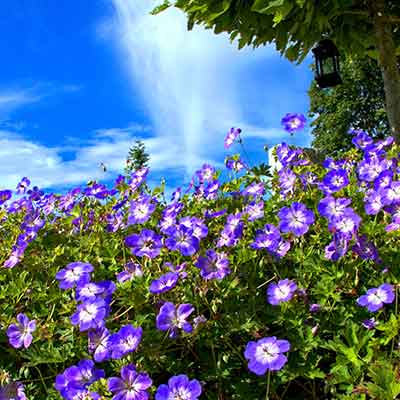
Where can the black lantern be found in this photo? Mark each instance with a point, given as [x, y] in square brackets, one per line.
[326, 64]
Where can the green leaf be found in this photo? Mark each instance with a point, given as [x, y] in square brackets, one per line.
[265, 6]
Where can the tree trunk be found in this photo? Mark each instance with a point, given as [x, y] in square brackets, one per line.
[388, 63]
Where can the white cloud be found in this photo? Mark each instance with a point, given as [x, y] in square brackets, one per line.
[193, 83]
[46, 167]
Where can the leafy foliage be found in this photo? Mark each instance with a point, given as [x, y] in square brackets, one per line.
[293, 25]
[358, 103]
[332, 354]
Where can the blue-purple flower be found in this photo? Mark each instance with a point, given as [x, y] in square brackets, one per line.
[90, 314]
[334, 181]
[132, 385]
[72, 384]
[231, 137]
[99, 344]
[12, 391]
[125, 341]
[213, 266]
[296, 219]
[141, 210]
[172, 318]
[179, 387]
[23, 185]
[131, 271]
[20, 334]
[375, 298]
[182, 239]
[164, 283]
[74, 273]
[146, 244]
[293, 122]
[5, 195]
[266, 355]
[280, 292]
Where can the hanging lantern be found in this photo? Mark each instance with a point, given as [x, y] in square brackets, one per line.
[326, 64]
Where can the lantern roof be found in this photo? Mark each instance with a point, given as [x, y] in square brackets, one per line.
[325, 48]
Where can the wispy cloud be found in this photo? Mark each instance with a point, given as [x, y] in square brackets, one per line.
[196, 85]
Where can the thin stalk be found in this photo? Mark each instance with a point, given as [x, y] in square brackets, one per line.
[268, 384]
[395, 312]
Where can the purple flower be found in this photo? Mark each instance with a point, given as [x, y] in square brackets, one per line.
[132, 386]
[89, 315]
[12, 391]
[213, 266]
[330, 207]
[232, 231]
[200, 230]
[346, 224]
[88, 291]
[179, 387]
[361, 139]
[132, 271]
[99, 344]
[293, 122]
[369, 323]
[286, 156]
[137, 178]
[282, 291]
[16, 256]
[255, 189]
[164, 283]
[391, 194]
[141, 210]
[254, 210]
[334, 181]
[125, 341]
[315, 307]
[23, 185]
[206, 173]
[5, 195]
[147, 244]
[296, 218]
[383, 180]
[236, 165]
[182, 239]
[369, 169]
[366, 249]
[231, 137]
[287, 181]
[171, 318]
[268, 238]
[376, 297]
[337, 248]
[20, 334]
[374, 202]
[82, 375]
[266, 354]
[74, 273]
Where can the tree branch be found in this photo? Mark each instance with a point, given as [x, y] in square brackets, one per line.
[387, 18]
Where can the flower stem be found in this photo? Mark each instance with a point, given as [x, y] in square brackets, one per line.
[268, 384]
[395, 312]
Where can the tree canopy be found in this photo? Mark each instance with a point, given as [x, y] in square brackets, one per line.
[358, 103]
[293, 25]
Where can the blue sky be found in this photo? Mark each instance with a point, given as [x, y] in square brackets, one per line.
[80, 81]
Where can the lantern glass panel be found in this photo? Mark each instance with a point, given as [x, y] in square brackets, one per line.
[329, 66]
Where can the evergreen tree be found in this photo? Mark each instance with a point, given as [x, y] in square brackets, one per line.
[358, 103]
[137, 157]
